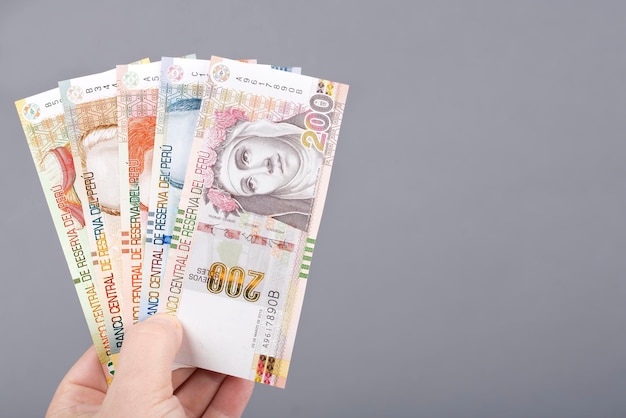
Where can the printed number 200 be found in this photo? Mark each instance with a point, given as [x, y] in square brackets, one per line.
[232, 281]
[317, 121]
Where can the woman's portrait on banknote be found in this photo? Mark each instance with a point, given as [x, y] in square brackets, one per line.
[265, 168]
[261, 166]
[181, 116]
[58, 165]
[140, 153]
[99, 151]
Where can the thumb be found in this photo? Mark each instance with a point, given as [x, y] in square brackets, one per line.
[145, 361]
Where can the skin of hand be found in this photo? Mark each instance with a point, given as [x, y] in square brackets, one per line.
[144, 384]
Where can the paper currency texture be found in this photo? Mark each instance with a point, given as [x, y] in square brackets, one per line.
[248, 217]
[43, 121]
[90, 105]
[138, 93]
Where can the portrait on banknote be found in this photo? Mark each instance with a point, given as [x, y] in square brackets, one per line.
[98, 150]
[181, 121]
[264, 167]
[99, 153]
[58, 165]
[140, 152]
[260, 166]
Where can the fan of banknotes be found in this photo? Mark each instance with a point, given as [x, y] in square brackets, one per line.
[191, 187]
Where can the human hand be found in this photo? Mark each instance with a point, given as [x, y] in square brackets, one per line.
[144, 384]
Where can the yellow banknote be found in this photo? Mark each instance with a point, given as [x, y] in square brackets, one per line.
[43, 121]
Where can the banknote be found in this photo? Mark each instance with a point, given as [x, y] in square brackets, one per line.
[138, 93]
[181, 85]
[43, 121]
[90, 105]
[248, 217]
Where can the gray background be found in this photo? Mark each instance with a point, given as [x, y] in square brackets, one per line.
[471, 257]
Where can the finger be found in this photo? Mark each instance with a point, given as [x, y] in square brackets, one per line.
[180, 376]
[87, 372]
[199, 390]
[231, 398]
[145, 362]
[84, 385]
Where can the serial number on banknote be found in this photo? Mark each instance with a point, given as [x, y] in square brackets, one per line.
[274, 86]
[270, 316]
